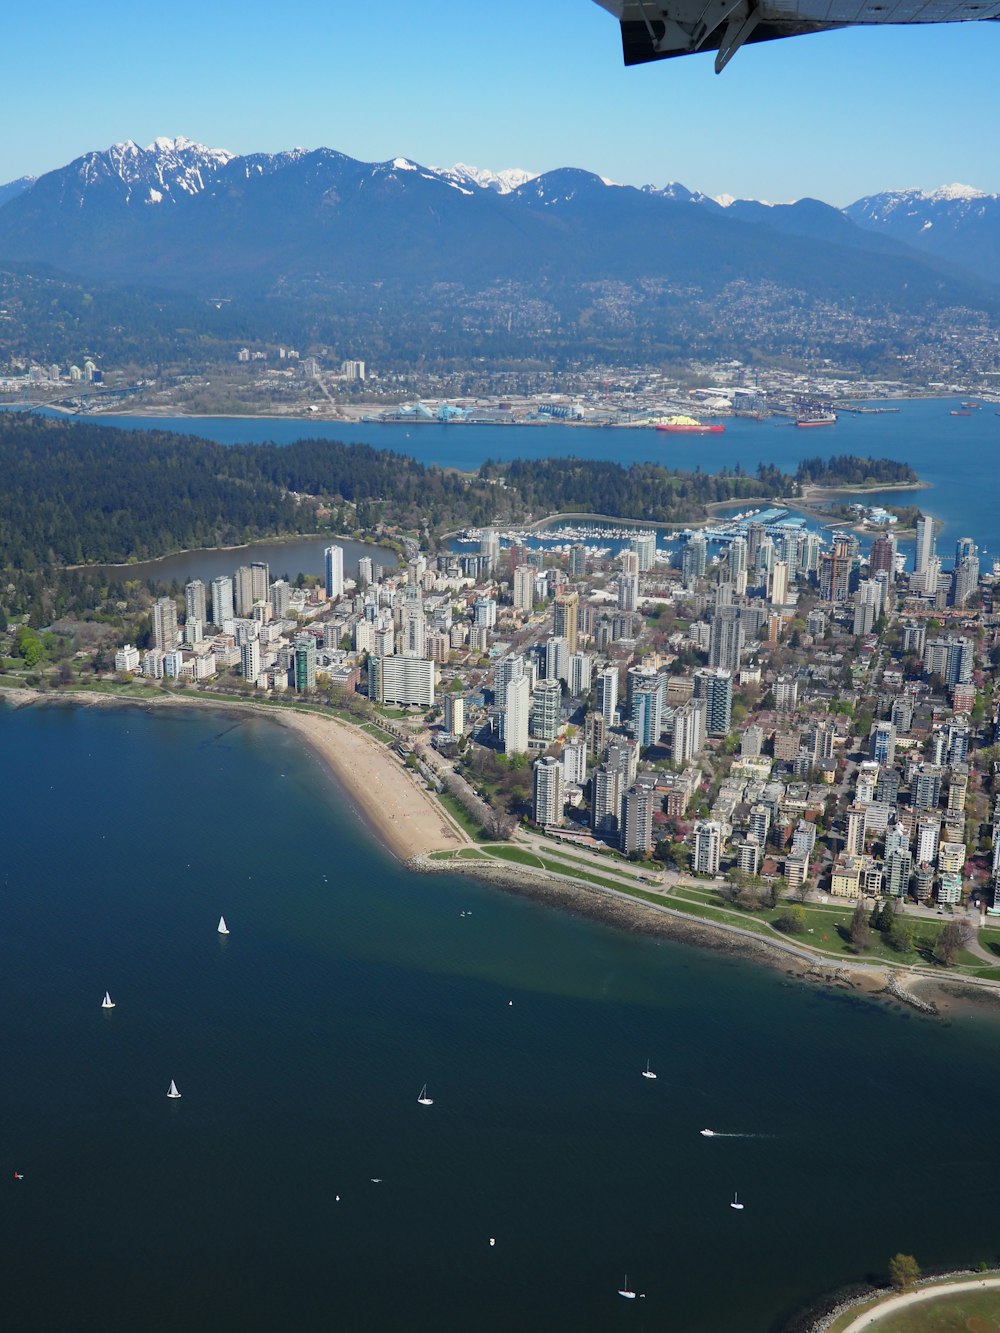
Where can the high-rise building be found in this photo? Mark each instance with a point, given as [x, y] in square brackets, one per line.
[564, 618]
[628, 582]
[578, 561]
[867, 605]
[260, 580]
[716, 688]
[637, 818]
[965, 579]
[856, 816]
[882, 744]
[726, 638]
[835, 569]
[951, 658]
[779, 584]
[165, 636]
[578, 680]
[883, 555]
[644, 545]
[250, 658]
[924, 547]
[736, 558]
[281, 595]
[517, 715]
[222, 600]
[548, 802]
[333, 565]
[646, 689]
[414, 623]
[606, 787]
[707, 851]
[305, 662]
[553, 659]
[366, 572]
[607, 694]
[574, 762]
[926, 787]
[454, 714]
[244, 591]
[595, 730]
[786, 693]
[195, 601]
[524, 587]
[546, 702]
[403, 680]
[489, 548]
[694, 558]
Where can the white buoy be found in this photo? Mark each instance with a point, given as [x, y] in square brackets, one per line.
[493, 1240]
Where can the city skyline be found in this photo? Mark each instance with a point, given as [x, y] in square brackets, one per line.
[579, 109]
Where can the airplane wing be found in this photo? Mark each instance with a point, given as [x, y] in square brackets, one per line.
[659, 29]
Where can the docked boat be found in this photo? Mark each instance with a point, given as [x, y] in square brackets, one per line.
[107, 1002]
[682, 425]
[816, 419]
[647, 1072]
[423, 1099]
[223, 928]
[172, 1091]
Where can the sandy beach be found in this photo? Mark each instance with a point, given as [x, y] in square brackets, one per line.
[405, 816]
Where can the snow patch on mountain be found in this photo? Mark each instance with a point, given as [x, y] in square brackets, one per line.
[165, 169]
[500, 182]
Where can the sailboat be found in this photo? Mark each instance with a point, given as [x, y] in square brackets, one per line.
[423, 1099]
[736, 1203]
[626, 1291]
[107, 1002]
[223, 928]
[647, 1072]
[172, 1090]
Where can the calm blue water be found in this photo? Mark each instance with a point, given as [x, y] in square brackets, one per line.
[300, 1044]
[957, 455]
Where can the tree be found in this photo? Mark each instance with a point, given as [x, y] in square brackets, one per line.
[860, 927]
[792, 920]
[904, 1271]
[952, 939]
[900, 935]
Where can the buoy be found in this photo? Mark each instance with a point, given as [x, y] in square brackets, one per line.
[493, 1240]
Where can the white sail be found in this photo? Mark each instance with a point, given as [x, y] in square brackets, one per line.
[172, 1090]
[423, 1099]
[223, 928]
[107, 1002]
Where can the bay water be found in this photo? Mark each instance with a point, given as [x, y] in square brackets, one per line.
[300, 1043]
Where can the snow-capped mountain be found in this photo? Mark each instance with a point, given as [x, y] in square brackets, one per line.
[185, 216]
[955, 222]
[501, 182]
[167, 169]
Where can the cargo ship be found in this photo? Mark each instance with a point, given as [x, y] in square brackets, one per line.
[690, 426]
[817, 419]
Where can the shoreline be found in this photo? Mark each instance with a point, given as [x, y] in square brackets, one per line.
[398, 810]
[410, 824]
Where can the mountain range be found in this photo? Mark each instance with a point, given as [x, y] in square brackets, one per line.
[565, 253]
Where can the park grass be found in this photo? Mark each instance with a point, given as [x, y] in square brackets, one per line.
[374, 730]
[461, 816]
[961, 1312]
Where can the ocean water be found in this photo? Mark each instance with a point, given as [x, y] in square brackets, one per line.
[301, 1041]
[957, 456]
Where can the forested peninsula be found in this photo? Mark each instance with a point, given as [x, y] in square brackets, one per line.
[82, 494]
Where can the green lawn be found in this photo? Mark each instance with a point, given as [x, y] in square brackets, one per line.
[966, 1312]
[461, 816]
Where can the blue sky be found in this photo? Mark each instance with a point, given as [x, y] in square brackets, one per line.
[532, 83]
